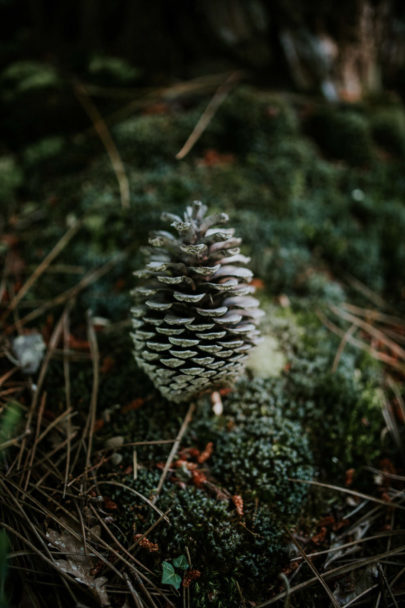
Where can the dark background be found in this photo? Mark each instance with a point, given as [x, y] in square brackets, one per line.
[181, 39]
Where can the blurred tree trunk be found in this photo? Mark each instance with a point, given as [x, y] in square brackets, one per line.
[344, 49]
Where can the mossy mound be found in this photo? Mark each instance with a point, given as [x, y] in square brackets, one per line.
[258, 448]
[228, 550]
[339, 403]
[255, 449]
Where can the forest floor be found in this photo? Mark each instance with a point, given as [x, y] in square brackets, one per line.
[292, 494]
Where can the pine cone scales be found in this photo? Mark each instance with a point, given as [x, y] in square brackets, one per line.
[194, 319]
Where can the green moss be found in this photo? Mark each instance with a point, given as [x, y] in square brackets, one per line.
[43, 150]
[299, 214]
[255, 449]
[11, 178]
[223, 547]
[343, 135]
[112, 69]
[258, 448]
[24, 76]
[340, 410]
[388, 128]
[248, 118]
[306, 221]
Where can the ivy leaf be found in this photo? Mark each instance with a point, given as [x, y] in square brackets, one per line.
[169, 576]
[181, 562]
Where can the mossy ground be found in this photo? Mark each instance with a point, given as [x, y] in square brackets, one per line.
[317, 194]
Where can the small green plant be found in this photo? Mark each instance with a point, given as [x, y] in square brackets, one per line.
[169, 574]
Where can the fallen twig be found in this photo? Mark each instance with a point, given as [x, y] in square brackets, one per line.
[209, 112]
[40, 269]
[87, 280]
[315, 571]
[102, 130]
[390, 505]
[174, 449]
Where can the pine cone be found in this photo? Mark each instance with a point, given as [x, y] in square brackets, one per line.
[194, 319]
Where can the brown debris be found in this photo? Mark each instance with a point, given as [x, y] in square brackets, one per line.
[238, 502]
[199, 478]
[206, 453]
[190, 576]
[145, 543]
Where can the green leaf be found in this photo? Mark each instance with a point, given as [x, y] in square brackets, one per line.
[181, 562]
[169, 576]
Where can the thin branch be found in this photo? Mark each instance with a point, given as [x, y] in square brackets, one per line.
[208, 114]
[361, 344]
[329, 593]
[66, 373]
[342, 345]
[87, 280]
[339, 570]
[44, 368]
[95, 357]
[40, 269]
[391, 505]
[174, 449]
[362, 594]
[374, 315]
[136, 493]
[367, 292]
[372, 331]
[104, 134]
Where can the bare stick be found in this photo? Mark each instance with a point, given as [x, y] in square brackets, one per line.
[386, 583]
[135, 596]
[370, 329]
[362, 594]
[390, 505]
[209, 112]
[367, 292]
[88, 278]
[144, 98]
[95, 356]
[339, 570]
[353, 543]
[136, 493]
[66, 373]
[104, 134]
[314, 570]
[361, 344]
[174, 449]
[342, 345]
[373, 315]
[37, 435]
[44, 368]
[40, 269]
